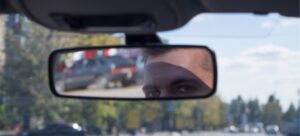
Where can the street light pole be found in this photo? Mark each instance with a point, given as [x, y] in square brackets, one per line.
[298, 112]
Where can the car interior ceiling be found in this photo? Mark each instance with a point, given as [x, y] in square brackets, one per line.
[82, 16]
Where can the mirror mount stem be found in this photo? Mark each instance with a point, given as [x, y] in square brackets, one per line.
[6, 7]
[137, 39]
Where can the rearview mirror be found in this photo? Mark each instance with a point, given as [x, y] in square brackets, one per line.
[133, 72]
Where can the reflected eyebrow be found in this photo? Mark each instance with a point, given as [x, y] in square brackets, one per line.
[181, 80]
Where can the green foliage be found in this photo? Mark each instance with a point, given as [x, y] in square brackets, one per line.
[149, 109]
[25, 82]
[254, 111]
[185, 108]
[211, 111]
[290, 114]
[272, 111]
[236, 110]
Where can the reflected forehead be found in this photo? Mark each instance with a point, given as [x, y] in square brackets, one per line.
[181, 57]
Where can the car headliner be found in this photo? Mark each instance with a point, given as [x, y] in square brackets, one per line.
[148, 17]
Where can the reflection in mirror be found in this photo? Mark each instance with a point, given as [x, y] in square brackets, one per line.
[134, 73]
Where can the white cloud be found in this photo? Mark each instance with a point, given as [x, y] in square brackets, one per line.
[289, 22]
[267, 24]
[264, 55]
[271, 53]
[260, 71]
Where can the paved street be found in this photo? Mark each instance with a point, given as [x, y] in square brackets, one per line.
[215, 133]
[122, 92]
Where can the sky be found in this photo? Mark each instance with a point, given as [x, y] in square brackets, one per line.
[257, 55]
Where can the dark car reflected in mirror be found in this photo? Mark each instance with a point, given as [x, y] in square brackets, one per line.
[134, 72]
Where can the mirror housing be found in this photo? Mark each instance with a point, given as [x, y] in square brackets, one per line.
[152, 72]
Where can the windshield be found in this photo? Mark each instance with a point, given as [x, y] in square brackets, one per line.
[258, 89]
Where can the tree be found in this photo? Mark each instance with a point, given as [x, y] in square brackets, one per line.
[211, 107]
[152, 112]
[236, 110]
[272, 111]
[290, 114]
[224, 110]
[185, 114]
[26, 77]
[254, 111]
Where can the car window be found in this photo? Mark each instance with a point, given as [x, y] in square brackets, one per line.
[78, 65]
[257, 94]
[102, 61]
[58, 127]
[91, 63]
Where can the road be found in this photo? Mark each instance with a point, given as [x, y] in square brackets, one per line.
[205, 133]
[121, 92]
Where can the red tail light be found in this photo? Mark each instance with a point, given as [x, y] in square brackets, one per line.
[123, 70]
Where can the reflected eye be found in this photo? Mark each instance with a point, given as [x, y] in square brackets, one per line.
[182, 89]
[151, 92]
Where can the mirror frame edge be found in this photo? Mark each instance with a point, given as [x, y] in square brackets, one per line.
[51, 60]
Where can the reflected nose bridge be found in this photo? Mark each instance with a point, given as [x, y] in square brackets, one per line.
[163, 92]
[161, 75]
[157, 78]
[160, 82]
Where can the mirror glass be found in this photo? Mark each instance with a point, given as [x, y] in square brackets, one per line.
[134, 72]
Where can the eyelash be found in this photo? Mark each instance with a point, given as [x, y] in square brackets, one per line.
[151, 92]
[190, 87]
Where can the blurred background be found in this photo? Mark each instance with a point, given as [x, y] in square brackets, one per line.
[258, 88]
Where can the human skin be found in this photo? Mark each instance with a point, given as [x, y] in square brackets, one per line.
[178, 73]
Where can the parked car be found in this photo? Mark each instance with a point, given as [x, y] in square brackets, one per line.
[272, 129]
[292, 128]
[59, 129]
[93, 130]
[231, 129]
[257, 127]
[97, 72]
